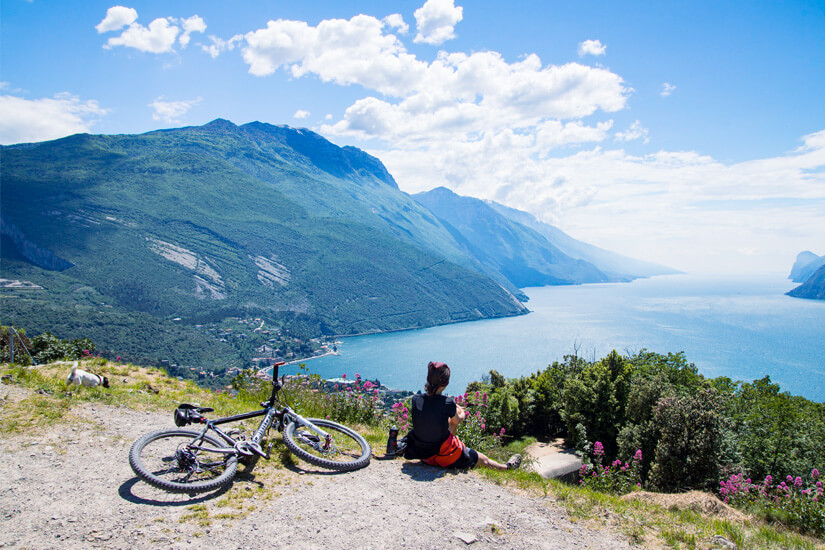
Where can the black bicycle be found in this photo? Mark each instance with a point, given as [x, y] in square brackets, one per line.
[188, 461]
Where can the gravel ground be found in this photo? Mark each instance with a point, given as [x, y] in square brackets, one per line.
[72, 487]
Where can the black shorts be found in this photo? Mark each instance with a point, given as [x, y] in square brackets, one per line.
[468, 459]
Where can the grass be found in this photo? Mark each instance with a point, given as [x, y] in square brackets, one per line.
[50, 402]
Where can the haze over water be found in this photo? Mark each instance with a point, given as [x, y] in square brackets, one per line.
[743, 327]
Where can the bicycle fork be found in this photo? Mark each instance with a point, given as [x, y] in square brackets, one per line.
[301, 421]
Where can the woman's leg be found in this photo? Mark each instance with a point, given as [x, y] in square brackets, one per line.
[487, 462]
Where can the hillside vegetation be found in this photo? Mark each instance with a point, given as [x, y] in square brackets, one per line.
[137, 238]
[672, 523]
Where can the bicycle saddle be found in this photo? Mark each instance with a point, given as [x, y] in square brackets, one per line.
[185, 414]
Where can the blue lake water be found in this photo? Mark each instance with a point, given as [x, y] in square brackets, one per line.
[743, 327]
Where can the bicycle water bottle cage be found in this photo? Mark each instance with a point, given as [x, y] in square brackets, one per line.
[186, 414]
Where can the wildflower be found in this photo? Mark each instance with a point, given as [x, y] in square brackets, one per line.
[638, 455]
[501, 434]
[357, 376]
[814, 473]
[118, 360]
[598, 448]
[368, 385]
[797, 482]
[768, 479]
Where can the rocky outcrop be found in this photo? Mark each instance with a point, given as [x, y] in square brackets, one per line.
[805, 265]
[37, 255]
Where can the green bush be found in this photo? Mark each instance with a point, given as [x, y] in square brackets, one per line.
[617, 478]
[796, 502]
[688, 450]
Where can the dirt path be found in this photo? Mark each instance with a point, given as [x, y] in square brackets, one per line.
[72, 488]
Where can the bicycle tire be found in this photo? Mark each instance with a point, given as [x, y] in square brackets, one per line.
[154, 459]
[350, 451]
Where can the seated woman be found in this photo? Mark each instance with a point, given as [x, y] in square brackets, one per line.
[435, 419]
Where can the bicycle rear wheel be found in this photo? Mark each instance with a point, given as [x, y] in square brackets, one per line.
[346, 450]
[181, 461]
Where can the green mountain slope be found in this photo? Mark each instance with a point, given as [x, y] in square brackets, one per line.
[519, 253]
[207, 221]
[616, 266]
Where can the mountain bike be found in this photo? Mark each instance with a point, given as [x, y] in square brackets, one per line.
[189, 461]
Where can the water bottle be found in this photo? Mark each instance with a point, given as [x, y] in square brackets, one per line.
[392, 441]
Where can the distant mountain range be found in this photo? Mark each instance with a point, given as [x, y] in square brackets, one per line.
[513, 244]
[809, 269]
[213, 221]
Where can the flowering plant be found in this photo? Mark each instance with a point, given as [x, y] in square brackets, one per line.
[797, 501]
[618, 477]
[357, 403]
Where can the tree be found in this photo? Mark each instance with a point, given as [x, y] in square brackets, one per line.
[689, 445]
[595, 399]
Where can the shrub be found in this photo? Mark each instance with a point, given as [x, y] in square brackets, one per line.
[617, 478]
[475, 431]
[796, 501]
[690, 442]
[356, 403]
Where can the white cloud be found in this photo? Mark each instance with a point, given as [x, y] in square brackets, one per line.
[705, 213]
[591, 47]
[436, 21]
[636, 131]
[301, 114]
[395, 21]
[30, 120]
[158, 37]
[219, 45]
[667, 89]
[171, 112]
[190, 25]
[116, 18]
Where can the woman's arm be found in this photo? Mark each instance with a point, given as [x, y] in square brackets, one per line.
[458, 418]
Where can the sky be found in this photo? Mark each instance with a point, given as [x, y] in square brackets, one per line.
[688, 133]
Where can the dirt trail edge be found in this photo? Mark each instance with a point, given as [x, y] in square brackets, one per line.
[71, 487]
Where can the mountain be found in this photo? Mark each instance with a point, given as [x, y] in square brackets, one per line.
[616, 266]
[813, 288]
[518, 253]
[211, 221]
[525, 251]
[805, 265]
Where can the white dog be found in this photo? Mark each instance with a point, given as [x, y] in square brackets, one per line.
[83, 378]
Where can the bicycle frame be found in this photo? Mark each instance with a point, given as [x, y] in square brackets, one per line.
[270, 412]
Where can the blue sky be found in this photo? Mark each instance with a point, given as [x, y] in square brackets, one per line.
[688, 133]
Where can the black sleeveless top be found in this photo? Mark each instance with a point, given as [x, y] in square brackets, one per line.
[430, 420]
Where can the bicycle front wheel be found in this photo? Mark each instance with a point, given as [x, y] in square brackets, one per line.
[182, 461]
[345, 451]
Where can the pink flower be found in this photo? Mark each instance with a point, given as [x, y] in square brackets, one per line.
[814, 473]
[357, 376]
[118, 359]
[344, 376]
[768, 479]
[638, 455]
[797, 482]
[598, 448]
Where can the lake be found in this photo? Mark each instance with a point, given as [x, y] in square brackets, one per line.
[743, 327]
